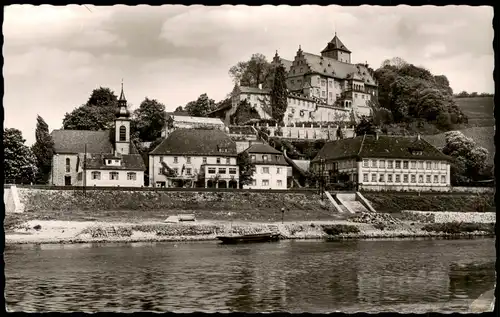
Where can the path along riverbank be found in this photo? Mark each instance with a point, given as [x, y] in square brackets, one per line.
[56, 231]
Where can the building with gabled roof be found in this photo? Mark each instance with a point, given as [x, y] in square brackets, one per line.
[98, 158]
[377, 162]
[271, 168]
[175, 121]
[194, 157]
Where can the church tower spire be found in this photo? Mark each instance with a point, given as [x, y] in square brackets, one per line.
[122, 126]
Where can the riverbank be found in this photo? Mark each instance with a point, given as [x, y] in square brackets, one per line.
[54, 231]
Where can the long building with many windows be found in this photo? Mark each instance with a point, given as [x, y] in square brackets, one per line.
[386, 163]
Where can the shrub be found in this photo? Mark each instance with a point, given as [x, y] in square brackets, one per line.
[459, 227]
[334, 230]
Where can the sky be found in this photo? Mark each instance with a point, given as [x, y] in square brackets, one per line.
[55, 56]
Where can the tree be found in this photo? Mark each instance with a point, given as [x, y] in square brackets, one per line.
[279, 94]
[365, 126]
[463, 94]
[201, 106]
[244, 112]
[247, 168]
[412, 93]
[149, 119]
[43, 149]
[19, 161]
[251, 73]
[470, 159]
[396, 62]
[97, 114]
[178, 109]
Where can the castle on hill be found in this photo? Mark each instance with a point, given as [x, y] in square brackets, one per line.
[322, 88]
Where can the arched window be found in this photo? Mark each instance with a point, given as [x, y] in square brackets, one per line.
[68, 165]
[123, 133]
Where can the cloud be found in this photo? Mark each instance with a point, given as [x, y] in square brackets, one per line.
[55, 56]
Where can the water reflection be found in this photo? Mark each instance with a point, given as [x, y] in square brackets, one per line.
[294, 276]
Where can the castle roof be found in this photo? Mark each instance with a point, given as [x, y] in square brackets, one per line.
[396, 147]
[335, 44]
[327, 66]
[198, 142]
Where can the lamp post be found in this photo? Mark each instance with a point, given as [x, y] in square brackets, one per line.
[282, 214]
[322, 178]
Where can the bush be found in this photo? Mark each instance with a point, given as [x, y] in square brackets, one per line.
[459, 227]
[334, 230]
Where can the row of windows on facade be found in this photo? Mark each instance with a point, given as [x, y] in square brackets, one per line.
[406, 164]
[211, 170]
[265, 182]
[265, 158]
[68, 164]
[188, 160]
[397, 178]
[131, 176]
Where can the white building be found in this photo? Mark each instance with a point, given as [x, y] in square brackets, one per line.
[271, 169]
[194, 158]
[98, 158]
[386, 163]
[187, 122]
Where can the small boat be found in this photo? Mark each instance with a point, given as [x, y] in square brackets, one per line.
[258, 237]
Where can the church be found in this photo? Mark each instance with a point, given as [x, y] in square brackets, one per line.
[98, 158]
[321, 88]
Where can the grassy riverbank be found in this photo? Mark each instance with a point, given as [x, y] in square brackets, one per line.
[395, 202]
[52, 231]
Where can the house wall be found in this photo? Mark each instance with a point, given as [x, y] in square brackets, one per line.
[155, 165]
[105, 179]
[302, 132]
[418, 168]
[311, 111]
[383, 174]
[59, 169]
[273, 177]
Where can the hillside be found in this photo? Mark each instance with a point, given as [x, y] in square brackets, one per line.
[483, 136]
[479, 110]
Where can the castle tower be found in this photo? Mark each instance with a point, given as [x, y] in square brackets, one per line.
[337, 50]
[122, 126]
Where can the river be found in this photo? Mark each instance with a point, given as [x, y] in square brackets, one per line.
[407, 275]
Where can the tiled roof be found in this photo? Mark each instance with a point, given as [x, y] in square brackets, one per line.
[384, 147]
[132, 162]
[74, 141]
[302, 164]
[287, 64]
[196, 142]
[335, 43]
[334, 68]
[262, 149]
[203, 120]
[178, 113]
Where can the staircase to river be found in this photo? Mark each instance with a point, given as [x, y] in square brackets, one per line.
[352, 202]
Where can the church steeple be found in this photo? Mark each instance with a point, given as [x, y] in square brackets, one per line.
[122, 111]
[122, 126]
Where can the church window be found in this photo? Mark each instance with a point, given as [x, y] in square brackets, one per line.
[68, 166]
[123, 133]
[131, 176]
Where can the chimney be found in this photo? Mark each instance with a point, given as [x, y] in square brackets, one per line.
[260, 86]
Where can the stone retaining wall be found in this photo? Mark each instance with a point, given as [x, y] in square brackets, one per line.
[446, 216]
